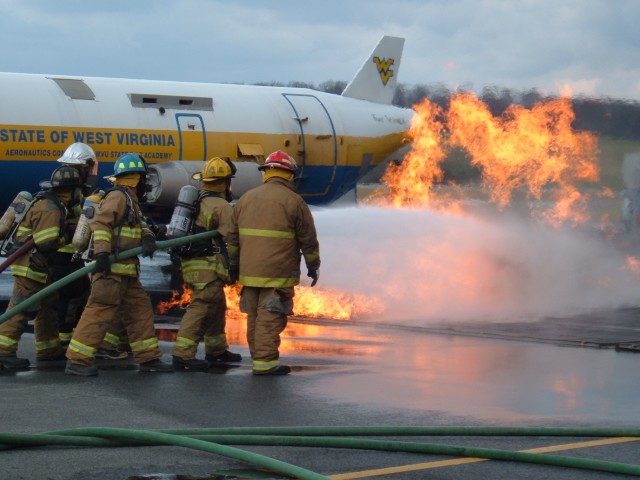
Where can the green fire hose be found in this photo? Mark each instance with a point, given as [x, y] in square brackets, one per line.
[163, 245]
[216, 440]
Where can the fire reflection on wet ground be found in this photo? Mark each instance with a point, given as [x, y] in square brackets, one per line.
[486, 379]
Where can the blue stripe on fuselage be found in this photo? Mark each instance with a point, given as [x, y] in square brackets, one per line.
[313, 185]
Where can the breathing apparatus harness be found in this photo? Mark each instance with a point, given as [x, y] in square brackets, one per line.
[10, 244]
[130, 216]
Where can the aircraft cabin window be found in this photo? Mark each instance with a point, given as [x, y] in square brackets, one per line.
[75, 89]
[174, 102]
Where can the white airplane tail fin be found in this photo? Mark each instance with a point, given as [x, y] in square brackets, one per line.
[377, 78]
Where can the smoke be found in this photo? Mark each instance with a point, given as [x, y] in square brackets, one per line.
[425, 267]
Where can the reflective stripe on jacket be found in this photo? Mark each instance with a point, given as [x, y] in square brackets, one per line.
[274, 227]
[42, 222]
[214, 213]
[117, 226]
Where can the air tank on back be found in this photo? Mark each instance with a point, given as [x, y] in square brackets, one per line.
[17, 207]
[82, 234]
[183, 212]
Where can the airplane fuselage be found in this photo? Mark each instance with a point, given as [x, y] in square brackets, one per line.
[334, 139]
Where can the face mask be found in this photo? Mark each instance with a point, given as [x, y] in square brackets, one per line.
[143, 189]
[92, 181]
[77, 196]
[65, 194]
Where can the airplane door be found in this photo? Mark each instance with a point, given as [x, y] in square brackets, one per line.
[192, 137]
[317, 145]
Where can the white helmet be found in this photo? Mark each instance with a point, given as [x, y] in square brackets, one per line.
[78, 154]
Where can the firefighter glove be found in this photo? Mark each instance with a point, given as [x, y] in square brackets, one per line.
[148, 245]
[103, 265]
[315, 275]
[234, 273]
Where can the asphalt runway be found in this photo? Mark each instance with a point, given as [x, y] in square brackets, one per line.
[344, 374]
[577, 371]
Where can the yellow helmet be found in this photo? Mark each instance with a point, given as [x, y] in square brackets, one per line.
[214, 169]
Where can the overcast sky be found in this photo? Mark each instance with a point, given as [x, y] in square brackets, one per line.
[589, 46]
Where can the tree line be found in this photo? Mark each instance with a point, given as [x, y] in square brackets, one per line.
[604, 116]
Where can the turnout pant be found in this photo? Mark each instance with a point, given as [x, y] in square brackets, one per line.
[114, 297]
[205, 317]
[45, 323]
[267, 310]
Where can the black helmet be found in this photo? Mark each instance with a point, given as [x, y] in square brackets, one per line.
[64, 176]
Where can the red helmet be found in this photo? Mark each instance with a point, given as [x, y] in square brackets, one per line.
[281, 160]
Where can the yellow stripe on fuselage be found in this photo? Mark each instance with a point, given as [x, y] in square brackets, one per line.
[46, 143]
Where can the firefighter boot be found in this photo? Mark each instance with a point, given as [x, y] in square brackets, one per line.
[13, 362]
[224, 357]
[58, 356]
[279, 370]
[190, 365]
[156, 365]
[80, 370]
[111, 354]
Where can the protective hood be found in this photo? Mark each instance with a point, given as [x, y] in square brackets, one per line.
[130, 179]
[277, 172]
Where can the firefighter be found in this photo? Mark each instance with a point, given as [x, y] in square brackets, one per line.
[45, 222]
[273, 226]
[73, 297]
[116, 291]
[205, 270]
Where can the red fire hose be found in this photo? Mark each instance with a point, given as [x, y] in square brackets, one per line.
[18, 253]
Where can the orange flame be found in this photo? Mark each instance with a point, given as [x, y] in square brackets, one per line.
[329, 303]
[410, 182]
[308, 302]
[528, 149]
[533, 151]
[177, 300]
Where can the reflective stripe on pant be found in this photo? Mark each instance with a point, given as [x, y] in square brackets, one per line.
[114, 297]
[205, 317]
[116, 337]
[263, 327]
[45, 323]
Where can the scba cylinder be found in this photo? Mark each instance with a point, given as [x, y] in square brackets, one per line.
[183, 212]
[18, 207]
[82, 235]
